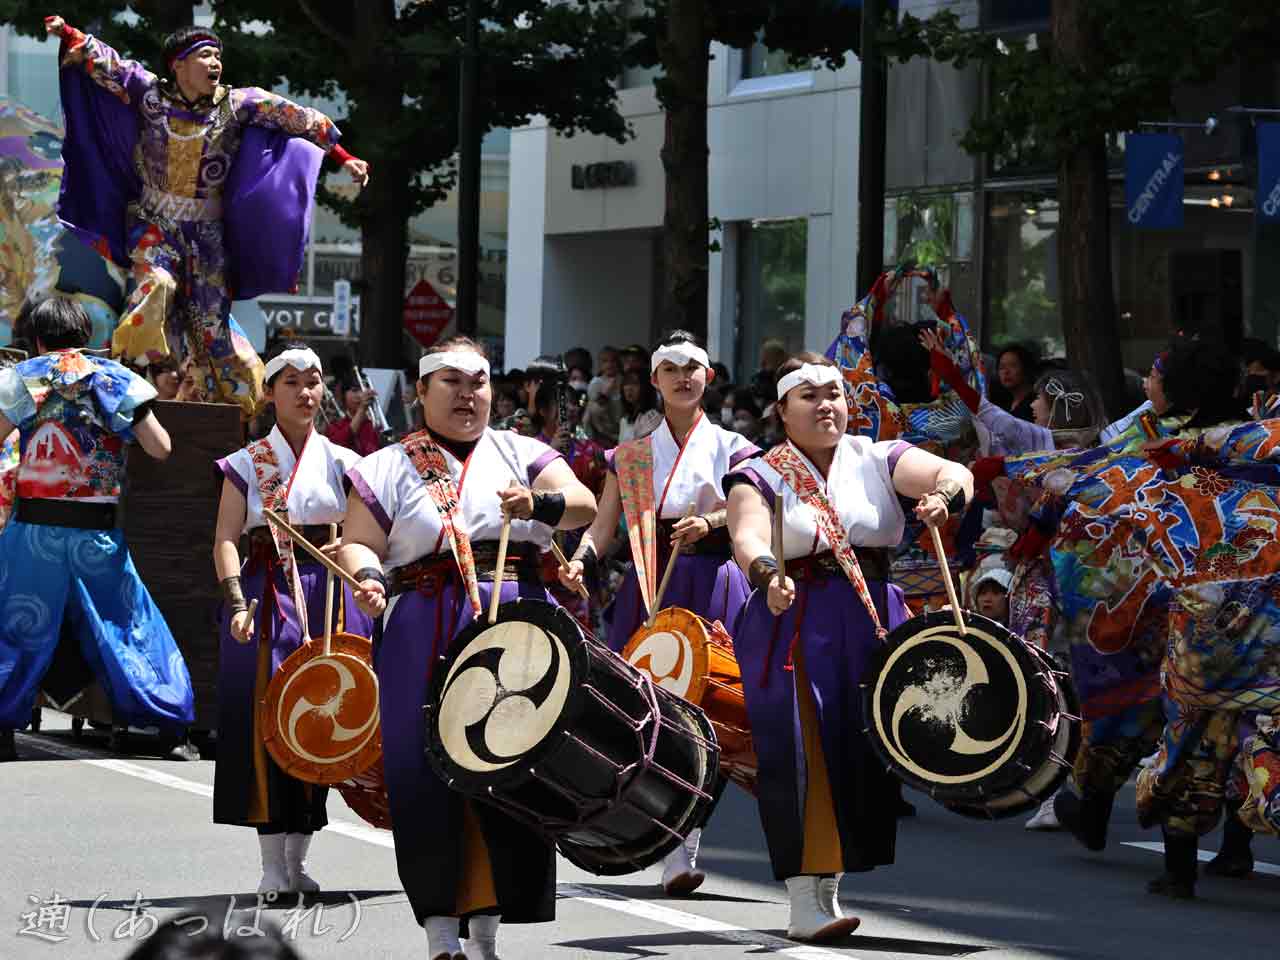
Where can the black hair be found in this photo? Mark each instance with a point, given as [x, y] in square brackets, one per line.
[789, 365]
[1200, 379]
[1026, 356]
[723, 377]
[672, 337]
[199, 936]
[1253, 350]
[648, 395]
[60, 323]
[184, 37]
[543, 367]
[578, 357]
[280, 348]
[904, 364]
[1064, 415]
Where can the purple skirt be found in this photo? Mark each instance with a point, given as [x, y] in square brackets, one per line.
[289, 801]
[837, 640]
[710, 585]
[426, 815]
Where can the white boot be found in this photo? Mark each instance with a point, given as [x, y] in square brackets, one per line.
[442, 938]
[811, 918]
[275, 874]
[829, 894]
[482, 944]
[295, 858]
[680, 875]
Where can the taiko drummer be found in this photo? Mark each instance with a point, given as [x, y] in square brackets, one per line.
[298, 473]
[827, 803]
[421, 535]
[668, 487]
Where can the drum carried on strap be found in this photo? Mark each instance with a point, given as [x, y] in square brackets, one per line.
[693, 658]
[556, 730]
[983, 722]
[319, 718]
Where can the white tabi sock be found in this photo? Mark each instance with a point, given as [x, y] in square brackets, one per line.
[442, 938]
[482, 944]
[275, 874]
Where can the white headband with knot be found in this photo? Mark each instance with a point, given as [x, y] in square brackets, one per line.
[300, 358]
[817, 374]
[680, 354]
[467, 361]
[1056, 391]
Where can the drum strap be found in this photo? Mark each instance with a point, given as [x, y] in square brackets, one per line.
[796, 474]
[633, 462]
[428, 459]
[274, 493]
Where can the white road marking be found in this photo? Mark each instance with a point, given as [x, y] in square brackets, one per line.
[1269, 869]
[604, 899]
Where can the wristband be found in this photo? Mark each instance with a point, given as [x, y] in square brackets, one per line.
[548, 507]
[341, 154]
[763, 571]
[953, 493]
[374, 574]
[234, 595]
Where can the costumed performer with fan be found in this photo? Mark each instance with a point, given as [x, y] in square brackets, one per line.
[297, 472]
[668, 487]
[423, 523]
[204, 190]
[62, 553]
[804, 641]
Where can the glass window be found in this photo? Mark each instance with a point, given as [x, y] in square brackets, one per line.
[760, 61]
[1022, 270]
[772, 262]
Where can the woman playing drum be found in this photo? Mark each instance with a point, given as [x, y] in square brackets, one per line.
[803, 642]
[295, 471]
[668, 486]
[429, 511]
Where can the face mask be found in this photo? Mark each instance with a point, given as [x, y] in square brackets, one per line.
[726, 414]
[578, 384]
[742, 425]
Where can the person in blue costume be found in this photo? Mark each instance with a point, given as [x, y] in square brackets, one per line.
[62, 553]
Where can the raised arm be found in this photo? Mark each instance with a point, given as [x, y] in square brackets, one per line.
[127, 79]
[262, 108]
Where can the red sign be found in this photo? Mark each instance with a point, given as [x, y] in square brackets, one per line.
[426, 313]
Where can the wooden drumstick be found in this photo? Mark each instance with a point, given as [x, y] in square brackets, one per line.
[779, 554]
[248, 627]
[306, 545]
[666, 575]
[564, 565]
[495, 599]
[946, 579]
[328, 599]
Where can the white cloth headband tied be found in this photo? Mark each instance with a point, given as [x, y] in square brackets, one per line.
[1055, 390]
[680, 354]
[466, 361]
[817, 374]
[300, 358]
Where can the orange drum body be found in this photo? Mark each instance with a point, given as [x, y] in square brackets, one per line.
[693, 659]
[319, 719]
[366, 794]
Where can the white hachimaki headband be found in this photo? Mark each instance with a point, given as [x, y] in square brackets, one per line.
[468, 361]
[300, 358]
[680, 354]
[817, 374]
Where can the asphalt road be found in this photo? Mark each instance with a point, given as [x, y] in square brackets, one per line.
[100, 831]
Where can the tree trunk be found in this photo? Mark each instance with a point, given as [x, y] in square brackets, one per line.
[685, 49]
[1086, 294]
[384, 225]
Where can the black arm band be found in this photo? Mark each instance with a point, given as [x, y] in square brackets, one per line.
[234, 595]
[956, 503]
[548, 507]
[374, 574]
[762, 571]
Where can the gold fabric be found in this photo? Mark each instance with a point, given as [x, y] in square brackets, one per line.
[822, 852]
[476, 890]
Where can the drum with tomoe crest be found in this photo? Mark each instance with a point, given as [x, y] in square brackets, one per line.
[531, 716]
[983, 722]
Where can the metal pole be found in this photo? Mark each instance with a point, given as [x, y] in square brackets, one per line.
[871, 146]
[469, 176]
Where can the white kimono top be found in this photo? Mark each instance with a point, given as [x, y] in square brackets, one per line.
[859, 486]
[695, 473]
[396, 495]
[317, 492]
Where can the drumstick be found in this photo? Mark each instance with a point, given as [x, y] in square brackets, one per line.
[305, 544]
[779, 556]
[496, 598]
[946, 578]
[666, 575]
[564, 565]
[328, 599]
[248, 627]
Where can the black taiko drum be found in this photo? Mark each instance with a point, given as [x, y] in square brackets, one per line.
[554, 728]
[983, 722]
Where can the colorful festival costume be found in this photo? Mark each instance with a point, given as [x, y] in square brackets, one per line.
[249, 789]
[442, 517]
[206, 202]
[62, 554]
[660, 481]
[827, 803]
